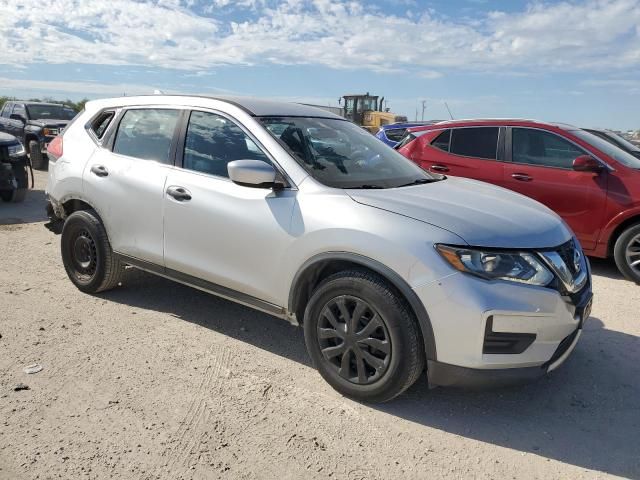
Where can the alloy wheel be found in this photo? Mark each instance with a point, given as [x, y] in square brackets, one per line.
[632, 254]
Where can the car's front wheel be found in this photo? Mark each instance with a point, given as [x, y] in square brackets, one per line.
[627, 253]
[362, 337]
[87, 255]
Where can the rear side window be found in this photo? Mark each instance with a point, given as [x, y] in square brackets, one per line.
[395, 134]
[146, 134]
[6, 109]
[442, 141]
[479, 142]
[213, 141]
[536, 147]
[101, 123]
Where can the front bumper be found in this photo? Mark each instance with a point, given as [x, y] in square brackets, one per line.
[499, 333]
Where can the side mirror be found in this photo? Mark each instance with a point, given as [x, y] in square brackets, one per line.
[253, 173]
[20, 118]
[586, 163]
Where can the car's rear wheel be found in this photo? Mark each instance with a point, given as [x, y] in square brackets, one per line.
[38, 160]
[362, 337]
[87, 255]
[627, 253]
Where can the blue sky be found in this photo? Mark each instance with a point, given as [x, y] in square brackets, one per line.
[570, 61]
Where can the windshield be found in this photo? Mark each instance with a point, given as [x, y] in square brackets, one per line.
[340, 154]
[45, 112]
[608, 148]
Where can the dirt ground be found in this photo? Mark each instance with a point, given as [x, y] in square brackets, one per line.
[157, 380]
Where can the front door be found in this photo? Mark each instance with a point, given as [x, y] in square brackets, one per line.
[215, 230]
[127, 183]
[542, 168]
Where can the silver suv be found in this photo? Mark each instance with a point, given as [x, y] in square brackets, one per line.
[298, 213]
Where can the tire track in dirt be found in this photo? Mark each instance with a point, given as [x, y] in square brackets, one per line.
[189, 433]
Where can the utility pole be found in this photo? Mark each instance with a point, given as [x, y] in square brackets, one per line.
[424, 107]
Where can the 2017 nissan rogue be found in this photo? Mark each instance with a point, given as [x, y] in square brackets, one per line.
[301, 214]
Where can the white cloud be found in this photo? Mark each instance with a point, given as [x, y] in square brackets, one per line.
[90, 89]
[193, 35]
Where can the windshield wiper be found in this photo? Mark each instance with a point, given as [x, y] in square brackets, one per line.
[422, 181]
[368, 187]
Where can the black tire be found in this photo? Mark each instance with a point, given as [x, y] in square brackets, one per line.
[384, 328]
[627, 251]
[87, 255]
[17, 195]
[38, 160]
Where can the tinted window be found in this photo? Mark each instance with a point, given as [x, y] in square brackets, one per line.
[340, 154]
[536, 147]
[213, 141]
[100, 124]
[442, 141]
[6, 109]
[395, 134]
[146, 134]
[43, 112]
[479, 142]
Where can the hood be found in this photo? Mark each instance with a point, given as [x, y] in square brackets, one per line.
[6, 139]
[481, 214]
[53, 122]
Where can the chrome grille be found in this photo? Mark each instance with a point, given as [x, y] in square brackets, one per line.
[569, 264]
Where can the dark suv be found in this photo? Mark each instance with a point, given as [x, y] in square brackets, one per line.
[35, 124]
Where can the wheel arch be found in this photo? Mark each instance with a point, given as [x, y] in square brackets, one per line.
[314, 270]
[27, 138]
[613, 238]
[74, 204]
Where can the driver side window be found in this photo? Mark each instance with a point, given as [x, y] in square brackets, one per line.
[212, 141]
[537, 147]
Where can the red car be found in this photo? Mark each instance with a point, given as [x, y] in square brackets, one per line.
[593, 185]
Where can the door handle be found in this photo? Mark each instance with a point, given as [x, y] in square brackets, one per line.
[99, 170]
[439, 168]
[522, 177]
[180, 194]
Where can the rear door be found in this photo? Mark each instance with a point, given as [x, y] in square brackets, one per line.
[125, 180]
[541, 167]
[471, 152]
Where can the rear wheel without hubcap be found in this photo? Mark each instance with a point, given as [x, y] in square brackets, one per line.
[87, 255]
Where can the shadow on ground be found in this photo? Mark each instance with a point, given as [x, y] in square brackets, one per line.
[606, 267]
[587, 413]
[30, 211]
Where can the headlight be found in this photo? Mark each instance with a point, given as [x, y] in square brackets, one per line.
[16, 150]
[50, 132]
[523, 267]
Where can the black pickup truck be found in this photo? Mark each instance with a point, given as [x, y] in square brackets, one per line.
[35, 124]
